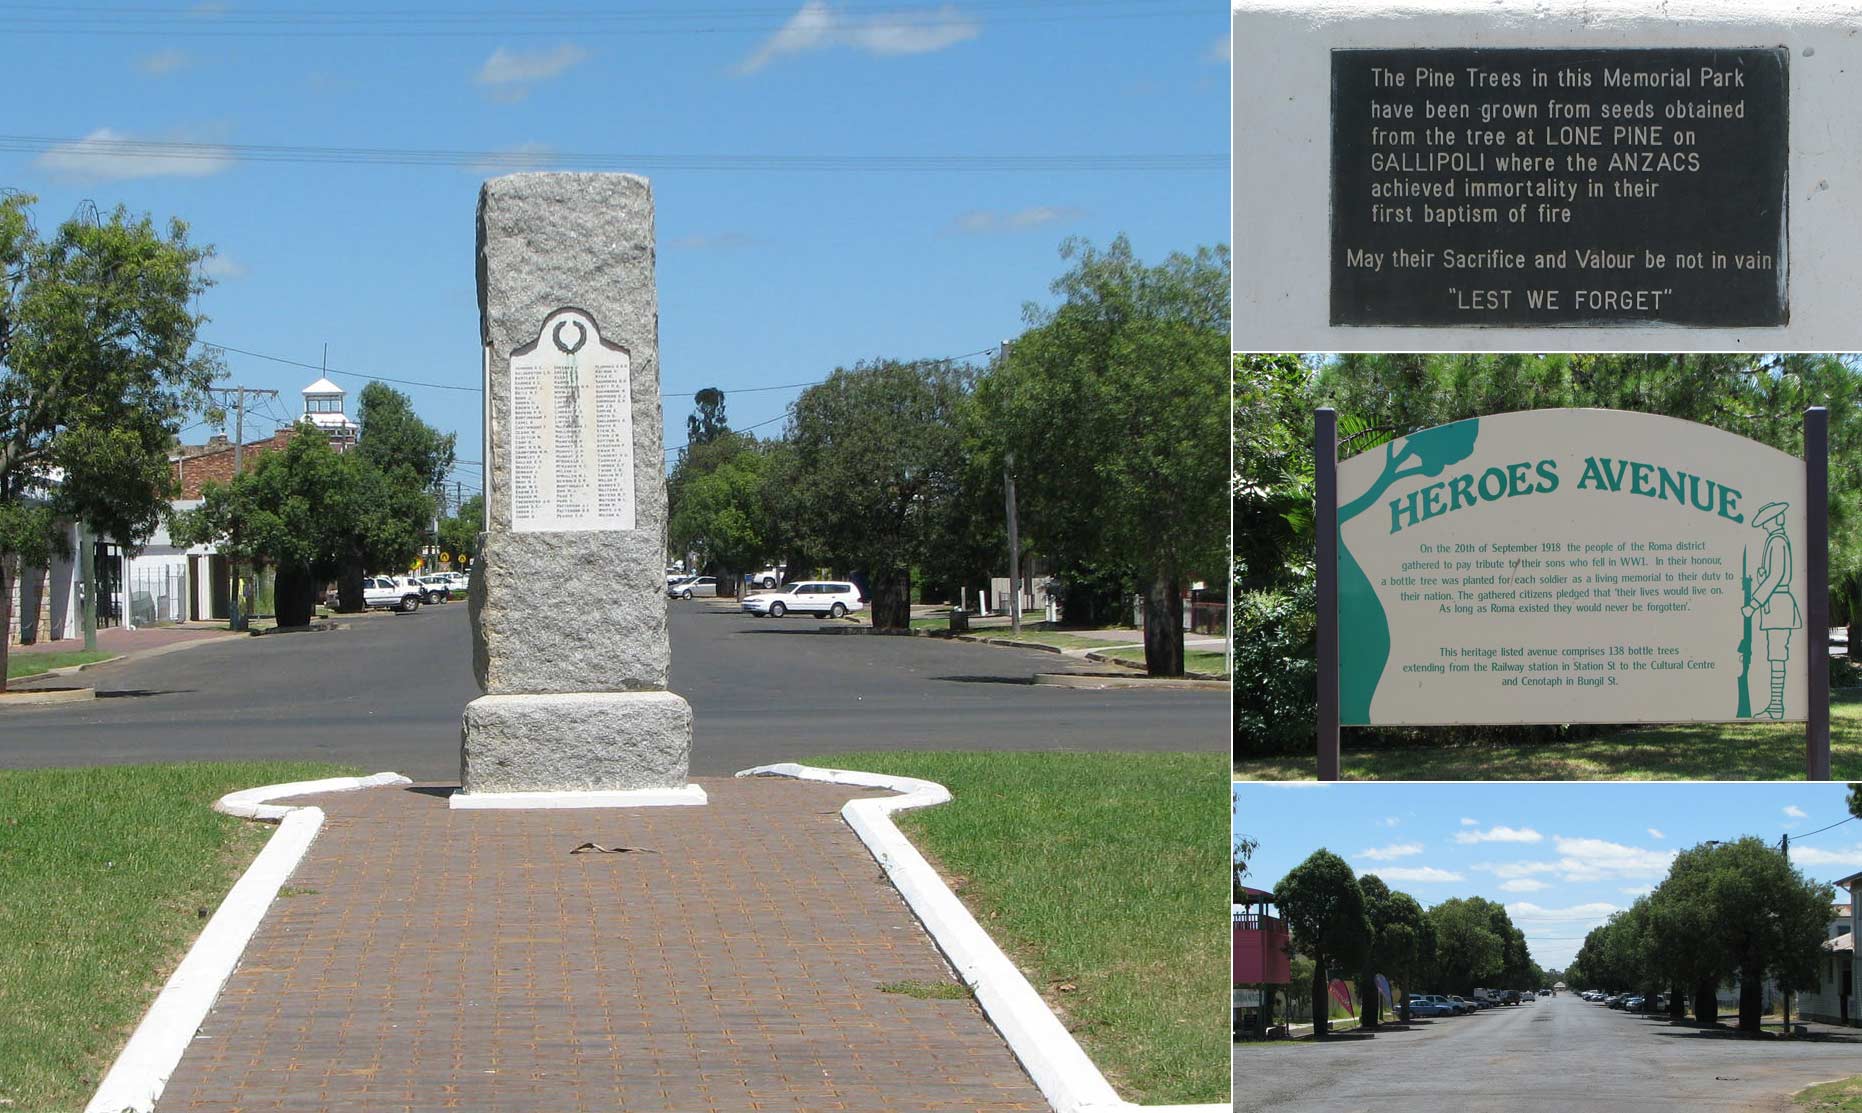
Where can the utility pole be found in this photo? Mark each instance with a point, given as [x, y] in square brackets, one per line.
[242, 609]
[1015, 540]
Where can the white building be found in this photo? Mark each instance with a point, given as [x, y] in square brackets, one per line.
[1834, 1001]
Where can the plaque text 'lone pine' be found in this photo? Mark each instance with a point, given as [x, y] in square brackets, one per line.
[1559, 187]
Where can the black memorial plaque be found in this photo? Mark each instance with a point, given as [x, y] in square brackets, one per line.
[1559, 187]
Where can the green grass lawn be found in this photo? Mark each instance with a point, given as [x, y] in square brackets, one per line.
[1709, 751]
[33, 664]
[1104, 876]
[1833, 1097]
[1194, 660]
[106, 876]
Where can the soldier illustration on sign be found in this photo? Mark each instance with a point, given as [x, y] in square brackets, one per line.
[1771, 600]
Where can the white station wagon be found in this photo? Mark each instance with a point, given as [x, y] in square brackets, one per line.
[822, 598]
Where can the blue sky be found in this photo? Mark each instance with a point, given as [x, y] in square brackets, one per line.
[1561, 856]
[768, 275]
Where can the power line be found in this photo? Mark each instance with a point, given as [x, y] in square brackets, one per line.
[489, 161]
[345, 374]
[1820, 830]
[131, 21]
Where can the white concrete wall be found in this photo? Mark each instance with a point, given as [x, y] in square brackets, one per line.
[1282, 158]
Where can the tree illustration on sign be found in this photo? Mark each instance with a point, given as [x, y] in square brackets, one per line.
[1363, 627]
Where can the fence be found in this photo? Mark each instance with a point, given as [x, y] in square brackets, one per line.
[157, 594]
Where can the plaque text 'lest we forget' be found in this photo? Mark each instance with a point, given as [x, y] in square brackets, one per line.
[1528, 187]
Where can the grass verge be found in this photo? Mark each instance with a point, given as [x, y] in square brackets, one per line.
[106, 876]
[1103, 876]
[34, 664]
[1832, 1097]
[1194, 660]
[1695, 752]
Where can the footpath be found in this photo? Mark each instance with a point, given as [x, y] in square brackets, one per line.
[743, 955]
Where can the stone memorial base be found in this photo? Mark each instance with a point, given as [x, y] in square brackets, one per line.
[605, 749]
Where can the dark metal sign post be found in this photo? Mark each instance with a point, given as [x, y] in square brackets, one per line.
[1817, 591]
[1325, 524]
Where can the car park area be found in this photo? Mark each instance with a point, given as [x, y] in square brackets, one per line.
[1555, 1055]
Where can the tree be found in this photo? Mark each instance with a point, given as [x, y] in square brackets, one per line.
[311, 513]
[722, 509]
[1855, 799]
[876, 459]
[706, 422]
[95, 377]
[1110, 412]
[1324, 911]
[289, 512]
[1401, 937]
[459, 533]
[408, 460]
[1467, 952]
[1766, 918]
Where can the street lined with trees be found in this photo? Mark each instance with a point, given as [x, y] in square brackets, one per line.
[1106, 412]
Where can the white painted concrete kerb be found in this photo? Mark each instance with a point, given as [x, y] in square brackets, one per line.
[137, 1077]
[1047, 1051]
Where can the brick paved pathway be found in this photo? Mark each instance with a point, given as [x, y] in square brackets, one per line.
[431, 959]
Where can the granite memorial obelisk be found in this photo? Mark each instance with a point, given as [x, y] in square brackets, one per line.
[568, 599]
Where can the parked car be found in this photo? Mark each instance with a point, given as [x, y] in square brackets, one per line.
[1529, 996]
[1463, 1005]
[437, 586]
[821, 598]
[702, 586]
[1428, 1004]
[767, 579]
[392, 593]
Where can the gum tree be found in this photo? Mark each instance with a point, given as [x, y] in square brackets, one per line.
[1324, 910]
[96, 373]
[1113, 407]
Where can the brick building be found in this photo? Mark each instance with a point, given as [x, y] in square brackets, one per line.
[162, 582]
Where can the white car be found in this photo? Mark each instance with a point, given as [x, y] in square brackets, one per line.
[767, 579]
[438, 587]
[706, 586]
[392, 593]
[822, 598]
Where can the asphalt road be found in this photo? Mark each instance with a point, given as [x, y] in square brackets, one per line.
[387, 694]
[1557, 1055]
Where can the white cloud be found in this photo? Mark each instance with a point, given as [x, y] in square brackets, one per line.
[1391, 852]
[163, 62]
[1217, 52]
[1583, 860]
[510, 160]
[1795, 812]
[1517, 869]
[1499, 834]
[1466, 822]
[816, 26]
[1849, 856]
[110, 155]
[1525, 912]
[1601, 860]
[1523, 885]
[1637, 890]
[223, 267]
[1392, 821]
[1418, 875]
[714, 241]
[1655, 833]
[983, 221]
[510, 73]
